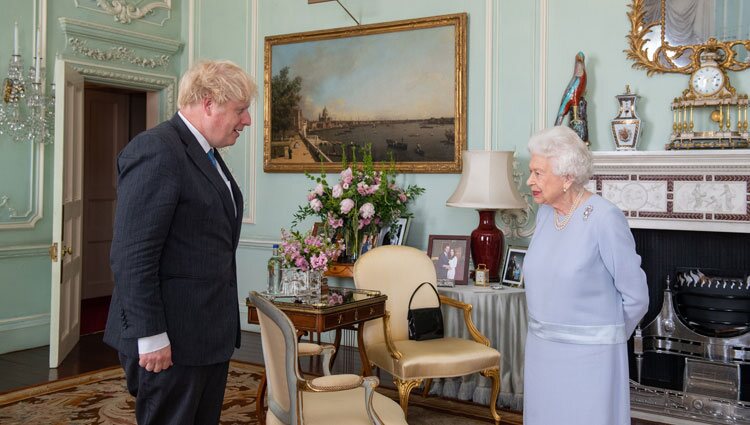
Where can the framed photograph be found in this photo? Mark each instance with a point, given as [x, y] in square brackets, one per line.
[317, 228]
[513, 269]
[328, 93]
[396, 234]
[450, 254]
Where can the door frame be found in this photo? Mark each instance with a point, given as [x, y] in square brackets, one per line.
[161, 95]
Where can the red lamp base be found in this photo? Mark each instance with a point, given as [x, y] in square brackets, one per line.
[487, 244]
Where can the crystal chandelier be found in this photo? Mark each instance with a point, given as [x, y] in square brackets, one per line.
[26, 113]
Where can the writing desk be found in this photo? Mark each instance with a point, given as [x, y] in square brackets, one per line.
[501, 316]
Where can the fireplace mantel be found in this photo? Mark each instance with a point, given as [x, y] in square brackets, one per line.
[707, 190]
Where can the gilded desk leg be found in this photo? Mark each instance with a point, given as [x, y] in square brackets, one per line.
[260, 409]
[366, 369]
[493, 374]
[404, 389]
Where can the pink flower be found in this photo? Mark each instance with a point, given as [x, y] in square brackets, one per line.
[334, 222]
[362, 188]
[318, 189]
[367, 211]
[316, 205]
[301, 263]
[337, 191]
[311, 196]
[363, 222]
[346, 177]
[402, 197]
[346, 206]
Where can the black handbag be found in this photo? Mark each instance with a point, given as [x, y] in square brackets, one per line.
[425, 323]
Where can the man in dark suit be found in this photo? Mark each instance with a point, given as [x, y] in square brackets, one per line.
[174, 315]
[443, 263]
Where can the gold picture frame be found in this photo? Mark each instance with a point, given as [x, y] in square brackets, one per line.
[399, 87]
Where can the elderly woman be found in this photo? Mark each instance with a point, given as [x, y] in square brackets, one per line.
[585, 290]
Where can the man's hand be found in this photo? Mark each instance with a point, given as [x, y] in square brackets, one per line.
[157, 361]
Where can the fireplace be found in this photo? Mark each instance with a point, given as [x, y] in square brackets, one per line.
[690, 217]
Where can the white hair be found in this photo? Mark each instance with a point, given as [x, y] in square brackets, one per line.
[565, 150]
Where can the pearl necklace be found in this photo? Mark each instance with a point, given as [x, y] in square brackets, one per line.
[562, 223]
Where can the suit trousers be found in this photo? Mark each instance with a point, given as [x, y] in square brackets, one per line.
[180, 395]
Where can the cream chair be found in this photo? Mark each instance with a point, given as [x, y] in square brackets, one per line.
[397, 271]
[331, 399]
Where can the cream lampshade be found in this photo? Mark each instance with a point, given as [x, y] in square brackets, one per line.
[487, 185]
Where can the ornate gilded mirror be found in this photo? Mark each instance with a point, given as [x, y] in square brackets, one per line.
[671, 35]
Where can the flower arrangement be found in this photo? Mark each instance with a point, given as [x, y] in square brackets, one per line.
[307, 251]
[361, 203]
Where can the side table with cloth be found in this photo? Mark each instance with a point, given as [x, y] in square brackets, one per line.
[500, 315]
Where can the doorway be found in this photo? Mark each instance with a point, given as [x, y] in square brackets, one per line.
[112, 117]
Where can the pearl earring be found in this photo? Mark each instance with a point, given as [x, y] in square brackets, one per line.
[565, 189]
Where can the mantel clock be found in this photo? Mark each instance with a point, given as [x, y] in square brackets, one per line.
[716, 103]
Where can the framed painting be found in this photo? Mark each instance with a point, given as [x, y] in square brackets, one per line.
[399, 87]
[450, 255]
[513, 268]
[396, 234]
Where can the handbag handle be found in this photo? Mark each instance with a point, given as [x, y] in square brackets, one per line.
[417, 290]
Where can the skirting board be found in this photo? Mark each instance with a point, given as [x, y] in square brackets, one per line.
[21, 333]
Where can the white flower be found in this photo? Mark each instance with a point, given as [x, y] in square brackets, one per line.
[316, 205]
[367, 210]
[319, 189]
[337, 191]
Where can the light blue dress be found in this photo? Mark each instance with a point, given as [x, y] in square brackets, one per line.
[586, 293]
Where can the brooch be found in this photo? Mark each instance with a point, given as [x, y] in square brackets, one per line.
[587, 212]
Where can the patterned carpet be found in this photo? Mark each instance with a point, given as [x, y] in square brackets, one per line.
[101, 398]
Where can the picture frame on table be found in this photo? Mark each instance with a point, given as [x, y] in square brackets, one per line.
[395, 234]
[324, 97]
[450, 255]
[513, 266]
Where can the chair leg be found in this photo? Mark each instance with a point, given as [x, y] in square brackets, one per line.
[426, 390]
[260, 409]
[404, 389]
[493, 374]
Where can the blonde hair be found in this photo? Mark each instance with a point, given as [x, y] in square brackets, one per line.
[222, 81]
[567, 152]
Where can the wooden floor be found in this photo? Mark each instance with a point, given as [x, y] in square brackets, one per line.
[31, 367]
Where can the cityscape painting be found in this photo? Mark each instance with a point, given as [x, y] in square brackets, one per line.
[397, 87]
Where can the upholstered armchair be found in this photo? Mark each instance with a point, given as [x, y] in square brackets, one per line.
[330, 399]
[397, 271]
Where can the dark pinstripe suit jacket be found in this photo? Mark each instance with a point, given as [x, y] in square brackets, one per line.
[173, 251]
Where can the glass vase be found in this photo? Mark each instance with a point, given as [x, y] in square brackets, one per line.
[301, 283]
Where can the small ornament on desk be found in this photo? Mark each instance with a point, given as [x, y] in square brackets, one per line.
[480, 275]
[626, 126]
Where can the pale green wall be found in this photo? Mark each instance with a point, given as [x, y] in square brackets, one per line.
[24, 263]
[234, 29]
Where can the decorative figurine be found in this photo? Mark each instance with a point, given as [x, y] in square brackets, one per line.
[626, 126]
[573, 101]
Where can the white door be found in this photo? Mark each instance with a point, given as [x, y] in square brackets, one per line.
[67, 209]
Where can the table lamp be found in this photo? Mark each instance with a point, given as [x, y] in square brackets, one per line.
[487, 185]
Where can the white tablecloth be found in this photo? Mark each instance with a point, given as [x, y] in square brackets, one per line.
[500, 315]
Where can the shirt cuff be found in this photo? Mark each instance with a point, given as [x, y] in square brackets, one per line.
[149, 344]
